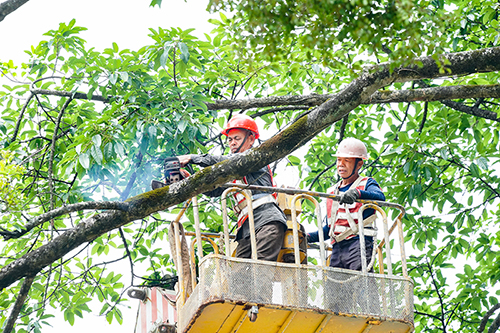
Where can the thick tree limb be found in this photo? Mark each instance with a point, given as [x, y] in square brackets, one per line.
[430, 94]
[10, 6]
[114, 205]
[487, 316]
[495, 325]
[280, 145]
[251, 103]
[16, 309]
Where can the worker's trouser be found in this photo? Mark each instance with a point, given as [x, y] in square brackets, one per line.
[345, 291]
[256, 282]
[347, 253]
[269, 239]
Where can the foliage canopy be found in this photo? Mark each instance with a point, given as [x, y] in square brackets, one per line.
[81, 125]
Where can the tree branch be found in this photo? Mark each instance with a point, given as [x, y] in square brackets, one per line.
[424, 117]
[20, 118]
[276, 110]
[10, 6]
[430, 94]
[495, 325]
[74, 95]
[441, 302]
[132, 179]
[52, 152]
[113, 205]
[21, 298]
[487, 316]
[472, 110]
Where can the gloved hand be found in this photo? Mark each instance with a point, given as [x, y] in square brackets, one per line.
[349, 196]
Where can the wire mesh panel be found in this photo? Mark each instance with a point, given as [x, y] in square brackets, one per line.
[300, 287]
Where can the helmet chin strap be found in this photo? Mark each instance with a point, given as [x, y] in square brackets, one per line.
[244, 140]
[353, 170]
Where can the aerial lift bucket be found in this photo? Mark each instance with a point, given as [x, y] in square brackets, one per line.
[248, 295]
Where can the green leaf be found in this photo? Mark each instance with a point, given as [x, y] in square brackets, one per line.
[474, 170]
[96, 153]
[124, 76]
[294, 160]
[482, 163]
[184, 52]
[118, 316]
[113, 78]
[109, 317]
[182, 125]
[84, 160]
[96, 139]
[69, 316]
[444, 154]
[164, 56]
[119, 149]
[155, 2]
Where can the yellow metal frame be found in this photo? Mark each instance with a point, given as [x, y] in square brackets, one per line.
[233, 316]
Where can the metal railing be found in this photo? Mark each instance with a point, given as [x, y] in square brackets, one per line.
[373, 204]
[297, 194]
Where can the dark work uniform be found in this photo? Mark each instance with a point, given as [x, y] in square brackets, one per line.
[270, 221]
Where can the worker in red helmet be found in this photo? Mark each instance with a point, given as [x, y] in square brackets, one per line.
[270, 221]
[246, 125]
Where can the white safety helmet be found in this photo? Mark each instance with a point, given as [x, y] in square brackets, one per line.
[351, 147]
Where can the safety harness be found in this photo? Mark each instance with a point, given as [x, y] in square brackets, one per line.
[343, 225]
[258, 200]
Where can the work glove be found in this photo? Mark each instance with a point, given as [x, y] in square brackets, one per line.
[349, 196]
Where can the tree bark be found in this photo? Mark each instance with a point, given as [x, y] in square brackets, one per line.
[430, 94]
[295, 135]
[87, 205]
[16, 309]
[10, 6]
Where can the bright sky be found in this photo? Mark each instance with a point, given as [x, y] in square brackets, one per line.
[125, 22]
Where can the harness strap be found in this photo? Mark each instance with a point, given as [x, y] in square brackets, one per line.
[346, 232]
[267, 198]
[335, 207]
[240, 206]
[257, 199]
[337, 232]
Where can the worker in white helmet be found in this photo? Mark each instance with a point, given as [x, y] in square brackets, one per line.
[351, 155]
[346, 249]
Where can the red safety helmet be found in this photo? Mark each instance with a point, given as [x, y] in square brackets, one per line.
[243, 122]
[351, 147]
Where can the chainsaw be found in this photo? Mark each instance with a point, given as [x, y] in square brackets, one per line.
[173, 173]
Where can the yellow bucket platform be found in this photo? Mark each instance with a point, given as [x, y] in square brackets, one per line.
[242, 295]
